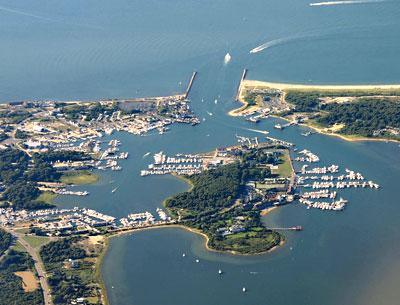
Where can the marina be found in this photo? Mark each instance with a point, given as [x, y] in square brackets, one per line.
[78, 221]
[188, 164]
[325, 183]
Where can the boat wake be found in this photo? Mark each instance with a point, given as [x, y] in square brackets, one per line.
[23, 13]
[331, 3]
[270, 44]
[257, 130]
[311, 35]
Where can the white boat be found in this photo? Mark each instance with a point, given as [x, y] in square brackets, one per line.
[114, 190]
[244, 289]
[197, 261]
[183, 255]
[219, 271]
[227, 58]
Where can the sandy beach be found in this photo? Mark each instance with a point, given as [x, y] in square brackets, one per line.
[286, 86]
[255, 84]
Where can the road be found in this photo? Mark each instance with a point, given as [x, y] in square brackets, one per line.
[38, 266]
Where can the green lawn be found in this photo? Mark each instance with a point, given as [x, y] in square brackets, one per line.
[36, 241]
[79, 177]
[285, 168]
[271, 186]
[22, 230]
[251, 242]
[19, 247]
[47, 197]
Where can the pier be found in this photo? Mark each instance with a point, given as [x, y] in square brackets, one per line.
[240, 84]
[189, 87]
[296, 228]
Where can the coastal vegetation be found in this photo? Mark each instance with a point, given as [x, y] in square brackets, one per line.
[71, 265]
[12, 289]
[14, 117]
[20, 174]
[217, 206]
[5, 241]
[365, 117]
[349, 111]
[47, 197]
[90, 112]
[360, 114]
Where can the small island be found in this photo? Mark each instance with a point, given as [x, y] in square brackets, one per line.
[224, 202]
[352, 112]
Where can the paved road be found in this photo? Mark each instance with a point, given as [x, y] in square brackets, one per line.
[38, 266]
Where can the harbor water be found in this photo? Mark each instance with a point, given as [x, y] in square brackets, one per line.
[97, 49]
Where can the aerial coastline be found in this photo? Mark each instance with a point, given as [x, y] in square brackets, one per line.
[252, 92]
[312, 87]
[229, 189]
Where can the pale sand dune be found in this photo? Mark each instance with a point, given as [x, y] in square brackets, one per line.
[285, 86]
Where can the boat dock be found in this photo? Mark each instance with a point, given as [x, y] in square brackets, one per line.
[279, 142]
[296, 228]
[189, 87]
[240, 84]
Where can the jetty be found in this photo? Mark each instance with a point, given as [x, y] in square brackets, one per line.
[189, 87]
[240, 85]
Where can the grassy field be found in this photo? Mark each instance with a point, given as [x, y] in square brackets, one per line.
[270, 186]
[47, 197]
[285, 168]
[22, 230]
[19, 247]
[256, 241]
[36, 241]
[79, 177]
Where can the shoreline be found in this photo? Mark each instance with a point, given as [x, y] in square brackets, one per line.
[236, 112]
[290, 86]
[206, 239]
[98, 273]
[343, 137]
